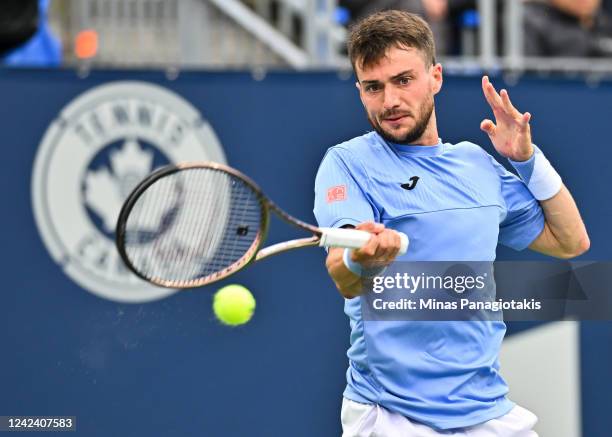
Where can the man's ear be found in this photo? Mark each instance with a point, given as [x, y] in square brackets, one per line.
[358, 86]
[437, 79]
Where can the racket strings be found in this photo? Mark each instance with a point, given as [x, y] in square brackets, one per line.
[202, 234]
[193, 224]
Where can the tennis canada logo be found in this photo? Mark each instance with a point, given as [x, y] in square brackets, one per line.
[101, 145]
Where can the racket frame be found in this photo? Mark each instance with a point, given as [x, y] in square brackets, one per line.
[254, 253]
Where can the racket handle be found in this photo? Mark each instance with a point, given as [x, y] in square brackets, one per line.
[354, 239]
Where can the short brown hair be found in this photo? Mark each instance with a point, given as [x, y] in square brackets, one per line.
[370, 38]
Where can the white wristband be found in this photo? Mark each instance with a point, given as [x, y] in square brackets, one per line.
[357, 268]
[539, 175]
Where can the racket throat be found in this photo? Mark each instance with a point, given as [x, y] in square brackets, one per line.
[287, 245]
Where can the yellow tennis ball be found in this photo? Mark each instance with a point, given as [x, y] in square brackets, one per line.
[234, 305]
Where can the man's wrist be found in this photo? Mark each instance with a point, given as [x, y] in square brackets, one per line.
[357, 268]
[524, 157]
[539, 175]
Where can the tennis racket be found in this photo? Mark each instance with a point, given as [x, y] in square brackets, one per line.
[191, 224]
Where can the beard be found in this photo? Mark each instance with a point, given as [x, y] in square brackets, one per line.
[417, 131]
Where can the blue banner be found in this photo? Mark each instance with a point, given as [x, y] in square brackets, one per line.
[84, 339]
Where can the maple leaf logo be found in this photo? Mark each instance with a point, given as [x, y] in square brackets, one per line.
[106, 188]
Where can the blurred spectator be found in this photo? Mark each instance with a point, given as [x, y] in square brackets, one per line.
[25, 37]
[445, 17]
[449, 19]
[18, 23]
[567, 28]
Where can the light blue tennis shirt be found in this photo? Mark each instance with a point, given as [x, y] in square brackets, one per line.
[443, 374]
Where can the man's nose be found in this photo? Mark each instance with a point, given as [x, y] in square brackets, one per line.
[391, 99]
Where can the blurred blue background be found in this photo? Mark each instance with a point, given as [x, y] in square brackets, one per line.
[167, 367]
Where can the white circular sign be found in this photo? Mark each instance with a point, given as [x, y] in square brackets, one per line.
[91, 157]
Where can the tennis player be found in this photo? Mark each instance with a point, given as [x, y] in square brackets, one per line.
[455, 202]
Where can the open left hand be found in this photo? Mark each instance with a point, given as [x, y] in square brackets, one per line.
[510, 134]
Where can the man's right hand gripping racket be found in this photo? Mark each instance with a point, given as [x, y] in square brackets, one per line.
[191, 224]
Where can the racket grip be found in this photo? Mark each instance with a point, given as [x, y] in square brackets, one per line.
[354, 239]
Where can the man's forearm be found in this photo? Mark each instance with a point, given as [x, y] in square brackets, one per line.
[347, 283]
[564, 235]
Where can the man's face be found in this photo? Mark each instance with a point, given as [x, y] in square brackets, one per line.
[398, 94]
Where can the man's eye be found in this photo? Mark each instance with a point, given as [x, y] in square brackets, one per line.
[404, 80]
[372, 88]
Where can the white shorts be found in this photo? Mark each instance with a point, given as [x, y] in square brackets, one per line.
[371, 420]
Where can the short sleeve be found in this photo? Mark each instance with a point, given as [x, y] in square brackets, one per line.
[524, 220]
[339, 195]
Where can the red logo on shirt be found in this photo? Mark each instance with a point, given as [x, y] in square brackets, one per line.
[336, 194]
